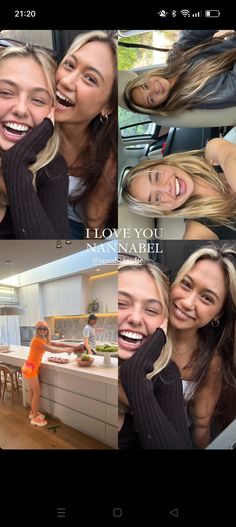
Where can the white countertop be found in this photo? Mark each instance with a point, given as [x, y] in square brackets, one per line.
[96, 371]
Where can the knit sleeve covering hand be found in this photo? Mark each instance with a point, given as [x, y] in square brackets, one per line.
[154, 402]
[41, 214]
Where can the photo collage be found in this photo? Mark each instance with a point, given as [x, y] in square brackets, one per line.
[117, 239]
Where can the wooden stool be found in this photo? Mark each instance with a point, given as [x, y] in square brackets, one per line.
[8, 374]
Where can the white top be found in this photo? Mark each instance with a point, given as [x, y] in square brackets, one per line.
[74, 182]
[187, 389]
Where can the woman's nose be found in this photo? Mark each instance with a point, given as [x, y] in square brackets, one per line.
[135, 317]
[189, 300]
[20, 107]
[69, 80]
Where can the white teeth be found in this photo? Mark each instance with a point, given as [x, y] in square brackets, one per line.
[131, 335]
[63, 98]
[182, 313]
[18, 127]
[177, 187]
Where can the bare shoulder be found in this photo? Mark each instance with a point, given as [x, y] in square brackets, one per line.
[196, 231]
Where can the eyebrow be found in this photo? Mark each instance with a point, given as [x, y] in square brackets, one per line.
[205, 290]
[150, 180]
[90, 68]
[36, 89]
[149, 300]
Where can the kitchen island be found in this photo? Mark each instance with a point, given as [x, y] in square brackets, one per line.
[84, 398]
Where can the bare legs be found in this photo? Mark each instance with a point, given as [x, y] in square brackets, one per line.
[34, 395]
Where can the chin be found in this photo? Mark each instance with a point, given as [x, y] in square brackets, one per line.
[125, 354]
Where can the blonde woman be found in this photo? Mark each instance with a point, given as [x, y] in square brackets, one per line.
[39, 344]
[150, 392]
[200, 72]
[86, 112]
[202, 326]
[186, 185]
[33, 182]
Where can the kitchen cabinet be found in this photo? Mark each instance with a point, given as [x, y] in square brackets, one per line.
[83, 398]
[68, 296]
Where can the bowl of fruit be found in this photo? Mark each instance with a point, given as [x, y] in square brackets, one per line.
[85, 359]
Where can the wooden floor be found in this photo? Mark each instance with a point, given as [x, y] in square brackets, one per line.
[16, 431]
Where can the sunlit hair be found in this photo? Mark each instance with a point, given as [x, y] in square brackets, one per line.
[162, 283]
[102, 140]
[192, 77]
[221, 209]
[46, 336]
[48, 65]
[221, 339]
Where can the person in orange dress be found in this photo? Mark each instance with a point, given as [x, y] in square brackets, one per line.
[39, 344]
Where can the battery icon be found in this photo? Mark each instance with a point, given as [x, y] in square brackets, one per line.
[212, 13]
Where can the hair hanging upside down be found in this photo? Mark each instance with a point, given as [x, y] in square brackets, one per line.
[185, 94]
[221, 209]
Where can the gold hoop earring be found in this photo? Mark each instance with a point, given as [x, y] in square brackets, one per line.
[103, 118]
[215, 323]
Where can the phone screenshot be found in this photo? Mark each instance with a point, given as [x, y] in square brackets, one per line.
[118, 264]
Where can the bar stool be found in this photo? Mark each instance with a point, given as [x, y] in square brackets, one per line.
[8, 375]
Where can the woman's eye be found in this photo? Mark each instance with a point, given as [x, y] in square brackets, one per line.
[186, 284]
[152, 312]
[69, 64]
[39, 101]
[5, 93]
[144, 86]
[208, 299]
[90, 78]
[122, 305]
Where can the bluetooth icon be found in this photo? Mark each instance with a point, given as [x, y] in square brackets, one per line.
[173, 13]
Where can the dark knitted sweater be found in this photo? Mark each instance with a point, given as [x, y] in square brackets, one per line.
[32, 214]
[157, 418]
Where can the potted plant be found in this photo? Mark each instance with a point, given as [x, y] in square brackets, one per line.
[93, 306]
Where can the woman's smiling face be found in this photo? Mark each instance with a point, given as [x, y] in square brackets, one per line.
[165, 185]
[199, 296]
[25, 98]
[140, 310]
[84, 82]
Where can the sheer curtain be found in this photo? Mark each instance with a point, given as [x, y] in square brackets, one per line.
[10, 330]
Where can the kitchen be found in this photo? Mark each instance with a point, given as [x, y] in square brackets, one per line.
[61, 283]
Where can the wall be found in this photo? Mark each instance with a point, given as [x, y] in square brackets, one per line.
[105, 290]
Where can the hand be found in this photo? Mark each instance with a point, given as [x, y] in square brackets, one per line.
[164, 325]
[213, 149]
[51, 115]
[31, 145]
[143, 359]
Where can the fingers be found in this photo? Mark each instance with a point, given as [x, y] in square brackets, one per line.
[164, 325]
[51, 115]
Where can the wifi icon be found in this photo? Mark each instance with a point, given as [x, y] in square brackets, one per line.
[185, 12]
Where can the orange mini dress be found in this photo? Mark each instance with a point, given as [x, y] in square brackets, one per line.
[31, 367]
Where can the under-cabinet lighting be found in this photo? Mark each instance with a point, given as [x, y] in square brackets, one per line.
[99, 315]
[94, 277]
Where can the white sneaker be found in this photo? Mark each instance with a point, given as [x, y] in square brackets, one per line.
[31, 415]
[39, 421]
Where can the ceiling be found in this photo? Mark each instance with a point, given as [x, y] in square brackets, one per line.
[28, 254]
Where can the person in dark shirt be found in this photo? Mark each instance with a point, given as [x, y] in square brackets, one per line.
[33, 179]
[200, 72]
[151, 399]
[186, 185]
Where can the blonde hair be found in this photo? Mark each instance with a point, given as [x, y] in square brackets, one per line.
[191, 77]
[47, 337]
[48, 66]
[162, 283]
[220, 208]
[87, 37]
